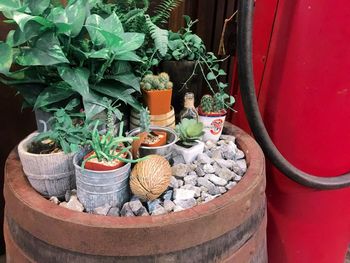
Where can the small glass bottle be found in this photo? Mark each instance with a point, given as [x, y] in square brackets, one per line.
[189, 111]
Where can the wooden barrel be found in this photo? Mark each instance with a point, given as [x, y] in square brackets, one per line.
[230, 228]
[163, 120]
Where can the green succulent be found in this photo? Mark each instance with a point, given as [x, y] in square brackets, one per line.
[145, 120]
[108, 147]
[156, 82]
[207, 104]
[189, 130]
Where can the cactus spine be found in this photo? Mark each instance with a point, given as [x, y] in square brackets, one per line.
[207, 103]
[156, 82]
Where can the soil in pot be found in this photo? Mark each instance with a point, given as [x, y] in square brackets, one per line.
[96, 165]
[155, 139]
[158, 101]
[46, 146]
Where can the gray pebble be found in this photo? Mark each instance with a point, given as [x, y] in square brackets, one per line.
[159, 211]
[191, 179]
[169, 205]
[200, 172]
[212, 189]
[152, 205]
[230, 185]
[225, 173]
[173, 182]
[217, 180]
[180, 170]
[188, 203]
[203, 158]
[54, 200]
[222, 190]
[102, 210]
[168, 195]
[239, 155]
[126, 210]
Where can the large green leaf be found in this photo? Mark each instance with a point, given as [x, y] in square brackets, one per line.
[29, 92]
[123, 73]
[118, 92]
[18, 37]
[113, 25]
[131, 42]
[128, 56]
[46, 51]
[93, 24]
[22, 19]
[76, 14]
[102, 53]
[77, 78]
[38, 6]
[52, 94]
[5, 58]
[10, 5]
[58, 16]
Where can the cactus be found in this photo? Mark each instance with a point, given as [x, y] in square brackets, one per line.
[145, 120]
[207, 104]
[219, 101]
[189, 130]
[156, 82]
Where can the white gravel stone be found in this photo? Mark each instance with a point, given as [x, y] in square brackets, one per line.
[225, 163]
[239, 155]
[73, 204]
[173, 182]
[225, 173]
[217, 154]
[180, 183]
[222, 189]
[230, 185]
[228, 137]
[183, 194]
[193, 188]
[199, 171]
[178, 208]
[204, 158]
[238, 178]
[212, 189]
[242, 164]
[180, 170]
[126, 210]
[208, 169]
[114, 211]
[217, 180]
[188, 203]
[159, 211]
[54, 200]
[169, 205]
[191, 179]
[102, 210]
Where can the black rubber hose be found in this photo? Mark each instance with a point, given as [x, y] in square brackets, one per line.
[246, 80]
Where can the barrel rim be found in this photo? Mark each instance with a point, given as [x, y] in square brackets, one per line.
[32, 208]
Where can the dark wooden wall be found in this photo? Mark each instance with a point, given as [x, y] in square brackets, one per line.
[211, 15]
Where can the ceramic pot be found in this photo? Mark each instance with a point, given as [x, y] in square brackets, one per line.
[189, 154]
[213, 125]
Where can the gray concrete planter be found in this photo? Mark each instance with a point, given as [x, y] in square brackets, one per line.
[49, 174]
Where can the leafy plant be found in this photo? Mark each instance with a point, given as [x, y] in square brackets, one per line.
[68, 130]
[69, 52]
[216, 103]
[189, 130]
[108, 147]
[156, 82]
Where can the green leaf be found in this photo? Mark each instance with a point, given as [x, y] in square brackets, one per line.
[131, 42]
[102, 53]
[211, 76]
[38, 6]
[77, 78]
[222, 85]
[93, 24]
[222, 72]
[123, 73]
[29, 92]
[76, 14]
[10, 5]
[52, 94]
[22, 19]
[46, 51]
[119, 93]
[113, 25]
[129, 56]
[5, 58]
[159, 36]
[59, 16]
[18, 37]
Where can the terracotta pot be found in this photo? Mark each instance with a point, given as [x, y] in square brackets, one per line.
[95, 165]
[157, 101]
[162, 139]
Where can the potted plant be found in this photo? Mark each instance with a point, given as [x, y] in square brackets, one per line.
[152, 139]
[102, 169]
[189, 145]
[212, 113]
[57, 53]
[157, 92]
[47, 157]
